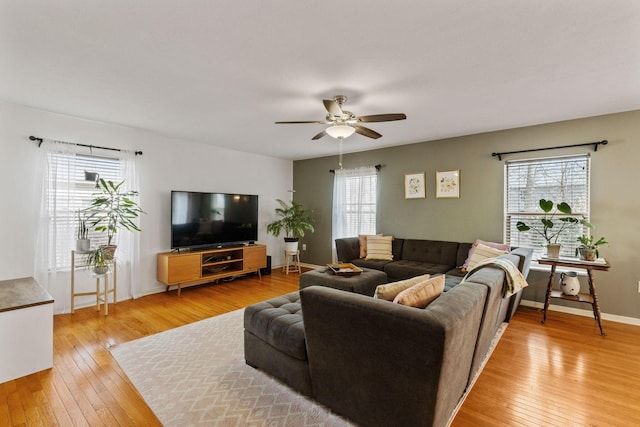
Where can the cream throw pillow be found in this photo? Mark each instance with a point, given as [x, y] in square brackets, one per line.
[483, 252]
[422, 294]
[389, 291]
[501, 246]
[379, 247]
[363, 244]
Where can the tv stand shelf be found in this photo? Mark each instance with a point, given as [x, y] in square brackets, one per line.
[211, 265]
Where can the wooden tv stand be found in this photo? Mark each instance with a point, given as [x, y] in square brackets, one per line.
[197, 267]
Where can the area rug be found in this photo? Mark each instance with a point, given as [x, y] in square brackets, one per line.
[195, 375]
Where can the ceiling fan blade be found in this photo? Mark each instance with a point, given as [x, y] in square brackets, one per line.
[323, 122]
[370, 133]
[332, 107]
[318, 136]
[382, 117]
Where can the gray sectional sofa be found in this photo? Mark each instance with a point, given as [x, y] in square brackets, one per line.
[383, 364]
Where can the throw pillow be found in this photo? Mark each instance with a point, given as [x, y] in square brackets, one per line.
[389, 291]
[422, 294]
[379, 247]
[501, 246]
[483, 252]
[363, 244]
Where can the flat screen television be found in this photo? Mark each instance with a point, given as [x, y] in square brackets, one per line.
[200, 220]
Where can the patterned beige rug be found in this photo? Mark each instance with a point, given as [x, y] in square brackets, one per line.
[195, 375]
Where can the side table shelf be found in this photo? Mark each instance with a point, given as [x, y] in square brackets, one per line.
[102, 295]
[590, 298]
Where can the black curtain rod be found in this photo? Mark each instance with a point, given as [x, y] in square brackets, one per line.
[40, 141]
[376, 166]
[595, 148]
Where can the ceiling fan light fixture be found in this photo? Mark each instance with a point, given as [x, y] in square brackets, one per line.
[340, 131]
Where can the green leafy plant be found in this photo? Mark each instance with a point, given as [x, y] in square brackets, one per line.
[113, 209]
[548, 230]
[588, 245]
[99, 260]
[294, 220]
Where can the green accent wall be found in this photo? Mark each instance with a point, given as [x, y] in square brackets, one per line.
[478, 213]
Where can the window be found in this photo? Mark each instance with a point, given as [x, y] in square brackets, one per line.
[68, 193]
[560, 179]
[355, 202]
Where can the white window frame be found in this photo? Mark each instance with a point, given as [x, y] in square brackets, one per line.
[560, 179]
[355, 202]
[69, 193]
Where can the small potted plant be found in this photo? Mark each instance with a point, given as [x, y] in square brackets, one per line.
[99, 260]
[294, 221]
[588, 249]
[82, 238]
[113, 209]
[547, 229]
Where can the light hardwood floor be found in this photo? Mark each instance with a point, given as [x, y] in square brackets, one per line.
[559, 374]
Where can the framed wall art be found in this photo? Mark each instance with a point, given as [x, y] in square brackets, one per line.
[448, 184]
[414, 187]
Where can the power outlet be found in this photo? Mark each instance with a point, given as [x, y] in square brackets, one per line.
[304, 248]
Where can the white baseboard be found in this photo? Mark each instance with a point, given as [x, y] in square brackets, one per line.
[582, 312]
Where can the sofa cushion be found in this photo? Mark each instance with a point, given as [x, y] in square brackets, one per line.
[482, 252]
[379, 247]
[502, 246]
[278, 322]
[422, 294]
[389, 291]
[430, 251]
[404, 269]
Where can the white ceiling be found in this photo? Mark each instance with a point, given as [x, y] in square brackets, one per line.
[222, 72]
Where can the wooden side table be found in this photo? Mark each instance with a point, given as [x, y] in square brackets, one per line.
[102, 296]
[292, 262]
[590, 298]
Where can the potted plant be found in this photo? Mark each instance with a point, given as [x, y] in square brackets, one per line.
[99, 260]
[588, 249]
[83, 243]
[294, 221]
[547, 229]
[113, 209]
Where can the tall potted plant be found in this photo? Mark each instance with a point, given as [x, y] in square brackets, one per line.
[294, 221]
[547, 227]
[113, 209]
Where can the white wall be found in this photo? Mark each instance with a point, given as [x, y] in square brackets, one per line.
[167, 164]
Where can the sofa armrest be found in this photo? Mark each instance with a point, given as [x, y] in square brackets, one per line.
[364, 354]
[347, 249]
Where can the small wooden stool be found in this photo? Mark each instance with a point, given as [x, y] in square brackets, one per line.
[292, 262]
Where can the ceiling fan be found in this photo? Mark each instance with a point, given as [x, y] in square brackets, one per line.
[344, 123]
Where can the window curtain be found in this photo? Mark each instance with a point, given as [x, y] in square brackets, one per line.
[53, 198]
[354, 203]
[56, 234]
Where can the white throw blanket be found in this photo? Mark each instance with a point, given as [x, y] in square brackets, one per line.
[514, 280]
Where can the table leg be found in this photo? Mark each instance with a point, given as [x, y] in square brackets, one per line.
[595, 305]
[547, 299]
[106, 295]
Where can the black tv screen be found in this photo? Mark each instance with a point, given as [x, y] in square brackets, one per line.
[212, 219]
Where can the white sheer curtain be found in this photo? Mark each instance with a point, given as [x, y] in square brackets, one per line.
[61, 165]
[51, 230]
[128, 252]
[354, 203]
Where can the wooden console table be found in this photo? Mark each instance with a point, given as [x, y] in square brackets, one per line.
[590, 298]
